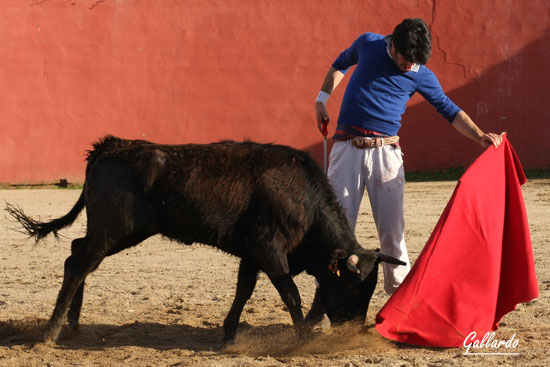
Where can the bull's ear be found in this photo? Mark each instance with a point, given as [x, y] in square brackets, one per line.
[390, 259]
[338, 254]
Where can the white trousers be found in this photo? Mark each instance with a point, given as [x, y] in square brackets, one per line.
[379, 170]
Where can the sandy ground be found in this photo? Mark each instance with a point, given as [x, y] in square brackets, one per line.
[163, 304]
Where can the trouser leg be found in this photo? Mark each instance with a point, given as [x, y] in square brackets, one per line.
[345, 176]
[381, 171]
[385, 186]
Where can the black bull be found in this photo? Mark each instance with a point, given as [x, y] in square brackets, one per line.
[270, 205]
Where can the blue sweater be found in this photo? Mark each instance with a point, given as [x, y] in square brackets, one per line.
[377, 93]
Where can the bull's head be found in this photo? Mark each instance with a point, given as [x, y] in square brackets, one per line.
[348, 284]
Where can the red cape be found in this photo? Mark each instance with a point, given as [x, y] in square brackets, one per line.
[477, 265]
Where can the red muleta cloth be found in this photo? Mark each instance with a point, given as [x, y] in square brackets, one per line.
[476, 266]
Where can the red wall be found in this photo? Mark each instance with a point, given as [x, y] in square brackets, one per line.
[180, 71]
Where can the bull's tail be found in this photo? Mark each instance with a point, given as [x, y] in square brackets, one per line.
[38, 229]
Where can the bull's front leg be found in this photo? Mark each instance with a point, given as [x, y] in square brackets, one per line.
[317, 310]
[279, 273]
[273, 260]
[248, 275]
[291, 297]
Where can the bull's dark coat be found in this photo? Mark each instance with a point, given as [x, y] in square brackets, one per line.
[270, 205]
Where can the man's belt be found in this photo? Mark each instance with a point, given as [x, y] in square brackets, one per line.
[363, 142]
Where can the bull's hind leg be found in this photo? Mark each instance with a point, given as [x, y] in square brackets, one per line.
[76, 304]
[248, 275]
[77, 267]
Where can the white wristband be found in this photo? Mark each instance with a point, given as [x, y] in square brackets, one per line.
[322, 97]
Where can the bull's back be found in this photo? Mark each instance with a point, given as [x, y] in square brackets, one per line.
[219, 194]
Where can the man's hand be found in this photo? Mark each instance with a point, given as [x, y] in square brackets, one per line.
[464, 124]
[332, 79]
[322, 115]
[490, 139]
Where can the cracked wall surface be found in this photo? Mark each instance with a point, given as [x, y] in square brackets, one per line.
[201, 71]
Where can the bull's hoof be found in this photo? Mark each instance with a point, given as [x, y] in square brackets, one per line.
[52, 333]
[74, 326]
[314, 316]
[228, 341]
[70, 333]
[323, 324]
[49, 339]
[64, 334]
[304, 331]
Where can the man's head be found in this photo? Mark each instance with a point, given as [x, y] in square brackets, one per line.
[412, 41]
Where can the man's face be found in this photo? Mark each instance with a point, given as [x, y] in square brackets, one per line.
[400, 61]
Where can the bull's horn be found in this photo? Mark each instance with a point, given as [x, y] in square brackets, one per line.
[352, 264]
[390, 259]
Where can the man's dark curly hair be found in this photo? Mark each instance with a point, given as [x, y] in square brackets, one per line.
[413, 40]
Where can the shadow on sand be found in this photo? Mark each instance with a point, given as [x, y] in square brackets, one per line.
[273, 340]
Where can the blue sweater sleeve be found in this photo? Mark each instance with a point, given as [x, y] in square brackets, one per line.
[350, 56]
[431, 90]
[347, 58]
